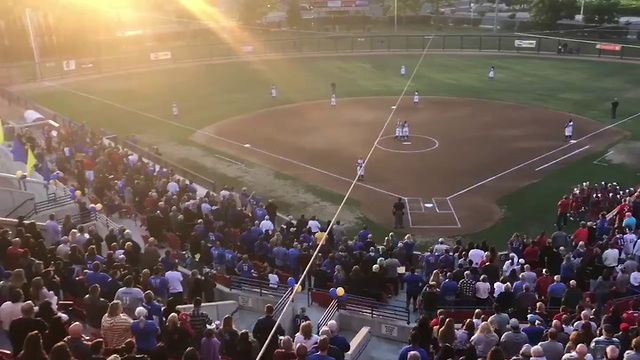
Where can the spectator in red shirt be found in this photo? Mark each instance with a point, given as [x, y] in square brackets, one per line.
[564, 206]
[581, 234]
[543, 284]
[531, 254]
[632, 316]
[14, 253]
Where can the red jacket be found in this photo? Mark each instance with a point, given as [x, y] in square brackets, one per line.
[542, 285]
[531, 254]
[581, 235]
[563, 206]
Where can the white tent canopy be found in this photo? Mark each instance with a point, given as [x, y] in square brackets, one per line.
[31, 116]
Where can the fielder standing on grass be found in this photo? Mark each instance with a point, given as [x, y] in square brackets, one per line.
[398, 214]
[174, 109]
[416, 98]
[274, 92]
[614, 108]
[403, 70]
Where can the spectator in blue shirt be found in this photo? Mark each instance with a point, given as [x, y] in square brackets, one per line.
[145, 332]
[518, 287]
[159, 284]
[363, 234]
[449, 289]
[556, 291]
[261, 249]
[329, 265]
[279, 254]
[200, 230]
[414, 284]
[248, 240]
[336, 340]
[294, 265]
[245, 267]
[166, 261]
[256, 229]
[154, 309]
[414, 339]
[447, 261]
[567, 269]
[230, 259]
[218, 256]
[629, 222]
[431, 262]
[533, 331]
[259, 214]
[95, 276]
[409, 244]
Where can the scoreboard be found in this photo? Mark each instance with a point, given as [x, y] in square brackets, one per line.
[340, 5]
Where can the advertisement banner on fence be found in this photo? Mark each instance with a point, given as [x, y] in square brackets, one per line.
[68, 65]
[525, 43]
[163, 55]
[609, 47]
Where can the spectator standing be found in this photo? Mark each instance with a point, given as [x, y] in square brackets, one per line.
[176, 337]
[79, 348]
[132, 297]
[33, 349]
[484, 339]
[398, 214]
[262, 330]
[600, 344]
[512, 341]
[145, 332]
[95, 307]
[11, 309]
[20, 328]
[53, 233]
[115, 326]
[564, 206]
[553, 350]
[555, 292]
[414, 340]
[413, 283]
[198, 320]
[534, 332]
[614, 108]
[305, 336]
[175, 283]
[337, 340]
[210, 346]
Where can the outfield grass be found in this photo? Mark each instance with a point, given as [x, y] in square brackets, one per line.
[210, 93]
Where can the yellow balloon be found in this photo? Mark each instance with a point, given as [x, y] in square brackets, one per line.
[52, 182]
[340, 291]
[298, 288]
[19, 173]
[99, 207]
[78, 193]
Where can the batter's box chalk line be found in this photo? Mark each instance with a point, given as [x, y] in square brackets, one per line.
[598, 160]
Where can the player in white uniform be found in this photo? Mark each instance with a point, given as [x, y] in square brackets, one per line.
[568, 130]
[174, 108]
[492, 73]
[416, 98]
[333, 100]
[403, 70]
[405, 131]
[360, 168]
[274, 92]
[398, 130]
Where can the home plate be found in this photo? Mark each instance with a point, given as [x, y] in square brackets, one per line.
[247, 145]
[406, 143]
[428, 205]
[573, 141]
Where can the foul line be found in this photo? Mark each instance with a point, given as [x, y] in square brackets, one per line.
[597, 161]
[562, 158]
[542, 156]
[126, 108]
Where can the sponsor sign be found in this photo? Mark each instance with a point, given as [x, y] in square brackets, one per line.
[345, 5]
[245, 301]
[609, 47]
[163, 55]
[525, 43]
[247, 49]
[68, 65]
[389, 330]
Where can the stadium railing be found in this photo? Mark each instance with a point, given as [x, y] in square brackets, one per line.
[260, 287]
[361, 305]
[279, 307]
[328, 314]
[337, 43]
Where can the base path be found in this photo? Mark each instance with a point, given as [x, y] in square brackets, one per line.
[461, 157]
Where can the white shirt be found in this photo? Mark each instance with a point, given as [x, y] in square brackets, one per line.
[206, 208]
[314, 225]
[266, 225]
[53, 234]
[498, 288]
[610, 257]
[307, 343]
[573, 355]
[175, 281]
[273, 280]
[224, 194]
[482, 290]
[173, 187]
[629, 242]
[9, 312]
[440, 248]
[63, 251]
[476, 255]
[634, 278]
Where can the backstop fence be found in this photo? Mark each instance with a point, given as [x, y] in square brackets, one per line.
[61, 68]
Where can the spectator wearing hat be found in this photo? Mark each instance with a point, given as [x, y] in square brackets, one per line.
[624, 336]
[337, 340]
[512, 341]
[600, 343]
[533, 331]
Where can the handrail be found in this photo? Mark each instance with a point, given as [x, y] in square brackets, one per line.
[18, 207]
[371, 307]
[279, 307]
[80, 217]
[328, 314]
[260, 286]
[50, 204]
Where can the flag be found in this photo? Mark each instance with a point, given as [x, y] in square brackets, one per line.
[1, 133]
[44, 171]
[31, 162]
[18, 151]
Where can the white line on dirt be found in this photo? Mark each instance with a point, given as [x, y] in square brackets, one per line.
[229, 160]
[597, 161]
[542, 156]
[562, 158]
[250, 147]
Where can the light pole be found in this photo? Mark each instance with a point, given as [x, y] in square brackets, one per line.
[495, 19]
[34, 44]
[395, 16]
[582, 11]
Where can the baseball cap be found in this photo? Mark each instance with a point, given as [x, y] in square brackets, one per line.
[514, 323]
[624, 326]
[532, 318]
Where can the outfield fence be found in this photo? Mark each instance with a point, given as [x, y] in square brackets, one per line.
[56, 69]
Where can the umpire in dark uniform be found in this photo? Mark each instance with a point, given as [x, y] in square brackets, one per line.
[614, 108]
[398, 213]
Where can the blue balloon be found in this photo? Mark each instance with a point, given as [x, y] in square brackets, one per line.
[92, 208]
[54, 176]
[343, 297]
[72, 190]
[333, 292]
[291, 281]
[72, 196]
